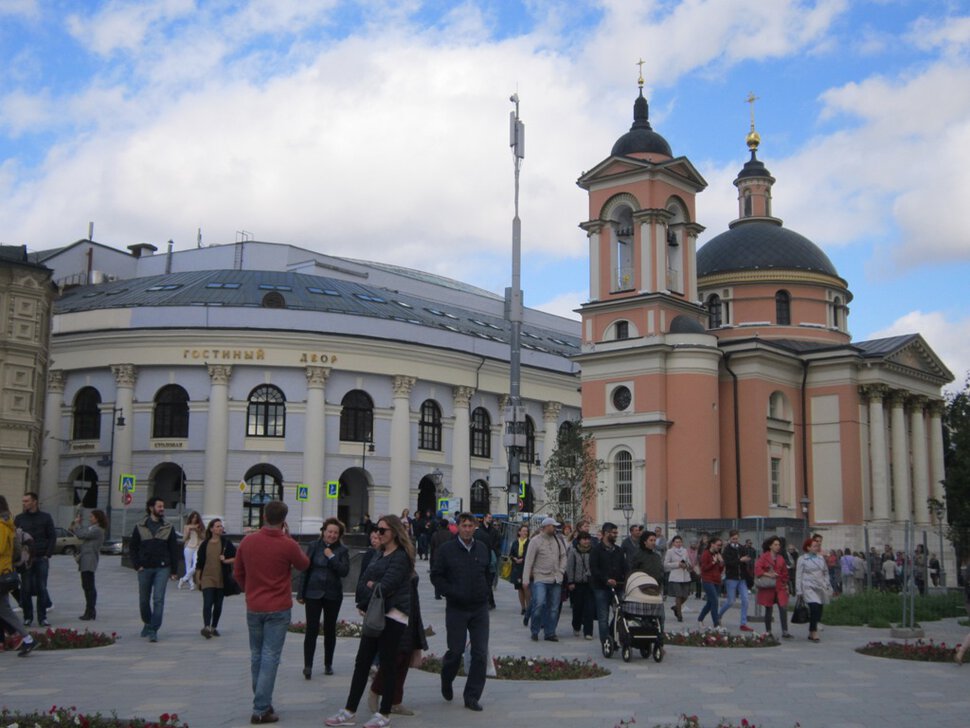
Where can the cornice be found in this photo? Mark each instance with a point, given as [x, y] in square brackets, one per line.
[784, 275]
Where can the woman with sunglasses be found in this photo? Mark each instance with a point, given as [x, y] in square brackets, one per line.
[392, 569]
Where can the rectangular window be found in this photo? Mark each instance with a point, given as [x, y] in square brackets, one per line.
[623, 481]
[775, 481]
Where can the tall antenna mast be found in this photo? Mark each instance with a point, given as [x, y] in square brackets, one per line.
[515, 436]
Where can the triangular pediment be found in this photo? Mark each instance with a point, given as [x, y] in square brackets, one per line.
[616, 167]
[910, 354]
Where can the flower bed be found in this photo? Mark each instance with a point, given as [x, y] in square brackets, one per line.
[60, 717]
[715, 638]
[530, 668]
[344, 628]
[65, 639]
[692, 721]
[918, 650]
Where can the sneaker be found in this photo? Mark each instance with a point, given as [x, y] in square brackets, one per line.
[146, 630]
[26, 648]
[181, 584]
[786, 635]
[44, 623]
[746, 628]
[377, 721]
[589, 637]
[342, 717]
[28, 622]
[401, 709]
[577, 633]
[153, 636]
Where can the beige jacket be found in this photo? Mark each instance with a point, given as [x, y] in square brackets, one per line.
[545, 560]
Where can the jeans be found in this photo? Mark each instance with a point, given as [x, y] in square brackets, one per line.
[35, 585]
[735, 588]
[545, 611]
[710, 593]
[190, 556]
[603, 597]
[584, 607]
[472, 622]
[267, 633]
[212, 605]
[151, 595]
[330, 608]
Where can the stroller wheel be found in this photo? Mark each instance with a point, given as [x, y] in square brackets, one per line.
[658, 653]
[608, 648]
[627, 654]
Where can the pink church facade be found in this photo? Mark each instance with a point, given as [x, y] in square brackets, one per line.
[723, 383]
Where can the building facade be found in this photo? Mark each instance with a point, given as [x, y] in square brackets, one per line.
[226, 376]
[26, 299]
[723, 383]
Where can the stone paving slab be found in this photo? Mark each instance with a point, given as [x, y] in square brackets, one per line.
[824, 685]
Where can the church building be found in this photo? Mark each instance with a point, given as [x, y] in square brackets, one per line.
[723, 383]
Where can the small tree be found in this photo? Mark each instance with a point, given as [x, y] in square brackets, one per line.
[572, 472]
[956, 433]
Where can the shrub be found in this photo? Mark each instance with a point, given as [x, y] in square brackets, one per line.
[881, 608]
[530, 668]
[59, 717]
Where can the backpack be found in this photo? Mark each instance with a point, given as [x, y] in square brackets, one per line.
[23, 549]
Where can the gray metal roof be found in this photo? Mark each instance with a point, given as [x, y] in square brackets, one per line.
[248, 288]
[761, 245]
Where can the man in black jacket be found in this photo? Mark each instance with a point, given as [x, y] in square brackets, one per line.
[154, 554]
[459, 571]
[40, 526]
[607, 572]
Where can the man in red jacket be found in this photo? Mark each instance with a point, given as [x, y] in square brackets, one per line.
[262, 568]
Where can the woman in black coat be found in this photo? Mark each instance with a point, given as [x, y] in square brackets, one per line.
[321, 590]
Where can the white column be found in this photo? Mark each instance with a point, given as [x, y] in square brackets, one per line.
[660, 240]
[550, 417]
[900, 456]
[594, 263]
[691, 241]
[401, 445]
[461, 473]
[216, 443]
[314, 449]
[877, 453]
[647, 284]
[125, 377]
[921, 472]
[50, 458]
[937, 471]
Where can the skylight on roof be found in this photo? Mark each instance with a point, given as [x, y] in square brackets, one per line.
[322, 291]
[165, 287]
[217, 284]
[274, 287]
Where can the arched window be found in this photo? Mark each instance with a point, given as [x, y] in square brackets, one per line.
[714, 319]
[481, 433]
[747, 203]
[357, 417]
[530, 440]
[623, 252]
[622, 479]
[264, 483]
[782, 308]
[171, 417]
[266, 415]
[429, 426]
[778, 407]
[87, 414]
[837, 312]
[480, 498]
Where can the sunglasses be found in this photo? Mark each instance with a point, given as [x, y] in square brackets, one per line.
[381, 531]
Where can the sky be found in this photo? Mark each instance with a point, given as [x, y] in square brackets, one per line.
[378, 129]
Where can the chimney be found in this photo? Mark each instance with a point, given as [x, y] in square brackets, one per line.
[140, 249]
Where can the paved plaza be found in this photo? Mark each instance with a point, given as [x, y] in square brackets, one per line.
[207, 681]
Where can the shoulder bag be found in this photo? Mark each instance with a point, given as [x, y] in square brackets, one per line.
[9, 581]
[374, 617]
[800, 612]
[765, 582]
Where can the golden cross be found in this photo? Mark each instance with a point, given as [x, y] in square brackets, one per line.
[640, 79]
[751, 99]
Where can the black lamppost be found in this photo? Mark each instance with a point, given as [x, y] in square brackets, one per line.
[366, 446]
[108, 460]
[627, 510]
[804, 503]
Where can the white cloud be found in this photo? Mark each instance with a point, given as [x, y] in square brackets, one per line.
[948, 337]
[20, 8]
[565, 304]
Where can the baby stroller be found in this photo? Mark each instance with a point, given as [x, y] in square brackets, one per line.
[637, 622]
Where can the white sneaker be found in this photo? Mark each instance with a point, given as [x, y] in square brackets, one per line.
[343, 717]
[377, 721]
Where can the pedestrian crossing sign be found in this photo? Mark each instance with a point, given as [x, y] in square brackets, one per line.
[126, 483]
[444, 505]
[333, 489]
[303, 493]
[522, 488]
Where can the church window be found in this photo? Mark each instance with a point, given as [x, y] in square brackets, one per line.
[747, 203]
[623, 255]
[622, 398]
[783, 308]
[714, 318]
[622, 480]
[622, 329]
[87, 414]
[837, 313]
[775, 481]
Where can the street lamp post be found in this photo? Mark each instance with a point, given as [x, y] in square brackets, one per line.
[804, 503]
[627, 510]
[109, 460]
[366, 446]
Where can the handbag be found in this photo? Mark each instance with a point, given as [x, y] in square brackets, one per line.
[800, 612]
[505, 570]
[9, 581]
[374, 618]
[765, 582]
[230, 587]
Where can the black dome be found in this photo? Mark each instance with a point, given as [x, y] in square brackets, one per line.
[757, 245]
[686, 325]
[641, 138]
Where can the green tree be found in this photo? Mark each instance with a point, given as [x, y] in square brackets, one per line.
[572, 472]
[956, 440]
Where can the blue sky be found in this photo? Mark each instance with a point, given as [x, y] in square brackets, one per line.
[378, 129]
